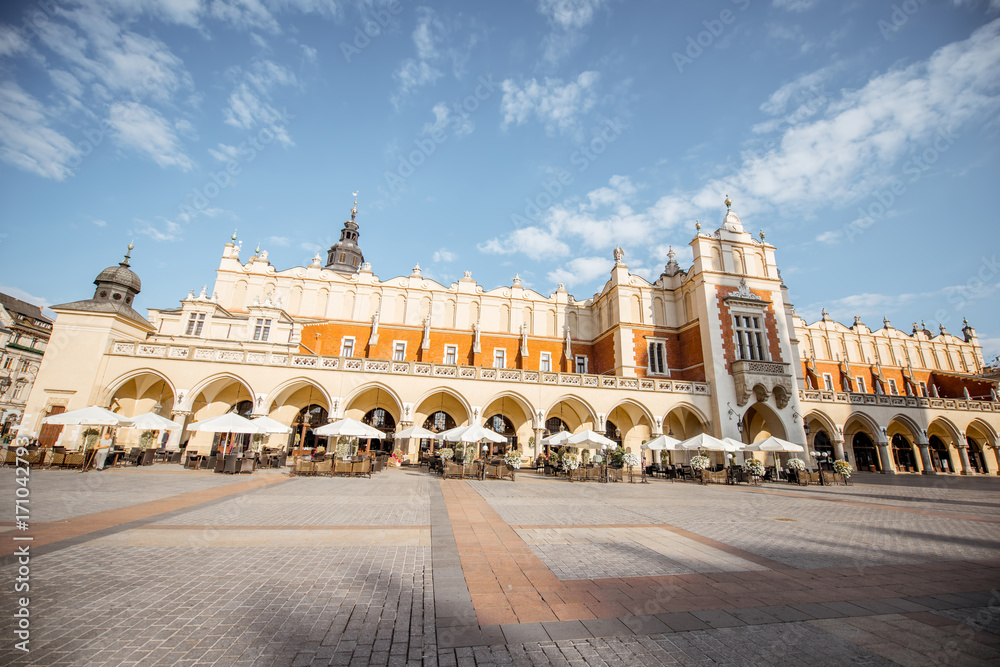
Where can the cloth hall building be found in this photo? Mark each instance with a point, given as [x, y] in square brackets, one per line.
[716, 347]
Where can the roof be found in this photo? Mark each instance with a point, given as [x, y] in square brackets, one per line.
[22, 307]
[91, 306]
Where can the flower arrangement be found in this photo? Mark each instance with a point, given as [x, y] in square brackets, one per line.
[797, 464]
[513, 459]
[630, 459]
[754, 467]
[447, 453]
[570, 461]
[842, 467]
[700, 462]
[397, 457]
[319, 451]
[598, 459]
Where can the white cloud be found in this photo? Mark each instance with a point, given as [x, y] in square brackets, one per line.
[443, 255]
[534, 242]
[309, 53]
[558, 106]
[26, 140]
[225, 153]
[568, 18]
[245, 15]
[581, 271]
[249, 104]
[100, 223]
[829, 237]
[278, 240]
[142, 129]
[444, 119]
[163, 230]
[795, 5]
[434, 40]
[11, 42]
[19, 293]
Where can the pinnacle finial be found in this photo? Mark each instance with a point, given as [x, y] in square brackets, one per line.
[257, 249]
[729, 203]
[762, 236]
[128, 255]
[233, 237]
[354, 211]
[697, 225]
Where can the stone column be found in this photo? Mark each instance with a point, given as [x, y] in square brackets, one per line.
[888, 467]
[539, 434]
[181, 417]
[838, 450]
[996, 455]
[925, 458]
[963, 454]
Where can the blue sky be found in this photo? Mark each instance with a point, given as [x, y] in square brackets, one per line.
[524, 137]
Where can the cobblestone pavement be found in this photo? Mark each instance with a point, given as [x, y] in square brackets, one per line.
[406, 569]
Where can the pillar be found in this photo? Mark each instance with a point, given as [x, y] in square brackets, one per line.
[963, 455]
[539, 434]
[838, 450]
[996, 455]
[888, 466]
[925, 458]
[182, 417]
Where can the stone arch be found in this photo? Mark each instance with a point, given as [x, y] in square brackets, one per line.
[760, 421]
[685, 420]
[825, 422]
[107, 395]
[637, 431]
[295, 300]
[905, 422]
[637, 310]
[582, 411]
[984, 430]
[945, 425]
[284, 391]
[371, 395]
[207, 383]
[502, 404]
[430, 402]
[321, 300]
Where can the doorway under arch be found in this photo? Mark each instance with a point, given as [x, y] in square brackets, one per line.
[902, 453]
[301, 438]
[865, 453]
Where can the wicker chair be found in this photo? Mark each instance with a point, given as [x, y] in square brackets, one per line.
[324, 467]
[452, 469]
[362, 468]
[301, 467]
[57, 459]
[73, 460]
[342, 467]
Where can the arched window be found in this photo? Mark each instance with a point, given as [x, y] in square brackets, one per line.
[865, 456]
[381, 419]
[504, 427]
[939, 454]
[309, 417]
[903, 453]
[613, 432]
[975, 456]
[555, 425]
[439, 421]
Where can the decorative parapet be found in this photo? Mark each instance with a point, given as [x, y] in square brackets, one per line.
[421, 369]
[762, 378]
[813, 396]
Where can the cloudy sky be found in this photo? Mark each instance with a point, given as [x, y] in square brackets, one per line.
[524, 137]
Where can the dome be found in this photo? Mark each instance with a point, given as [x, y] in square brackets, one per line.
[120, 275]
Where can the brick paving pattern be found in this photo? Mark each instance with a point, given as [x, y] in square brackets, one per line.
[407, 569]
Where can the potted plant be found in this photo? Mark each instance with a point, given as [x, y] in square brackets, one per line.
[700, 464]
[630, 459]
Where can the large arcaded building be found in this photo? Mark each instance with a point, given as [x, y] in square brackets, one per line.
[715, 348]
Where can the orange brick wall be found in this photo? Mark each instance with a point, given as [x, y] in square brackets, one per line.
[684, 353]
[331, 333]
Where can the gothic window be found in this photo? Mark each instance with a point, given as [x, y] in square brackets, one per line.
[399, 350]
[581, 363]
[657, 358]
[545, 364]
[262, 330]
[750, 339]
[195, 323]
[499, 358]
[451, 354]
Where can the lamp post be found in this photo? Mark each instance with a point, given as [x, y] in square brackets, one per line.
[819, 469]
[5, 383]
[604, 457]
[483, 463]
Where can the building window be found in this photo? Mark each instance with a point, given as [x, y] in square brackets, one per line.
[451, 354]
[195, 323]
[399, 350]
[24, 366]
[657, 358]
[8, 363]
[545, 365]
[892, 388]
[750, 341]
[862, 389]
[347, 346]
[828, 381]
[923, 389]
[581, 363]
[499, 358]
[18, 388]
[262, 329]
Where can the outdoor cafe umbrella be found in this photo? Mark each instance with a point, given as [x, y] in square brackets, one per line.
[705, 441]
[229, 423]
[471, 434]
[774, 445]
[418, 432]
[588, 439]
[349, 427]
[556, 439]
[662, 442]
[271, 426]
[150, 421]
[89, 416]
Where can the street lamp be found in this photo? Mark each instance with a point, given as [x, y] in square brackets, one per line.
[4, 384]
[482, 464]
[819, 469]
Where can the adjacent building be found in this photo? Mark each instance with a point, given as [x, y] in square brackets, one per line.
[24, 333]
[715, 347]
